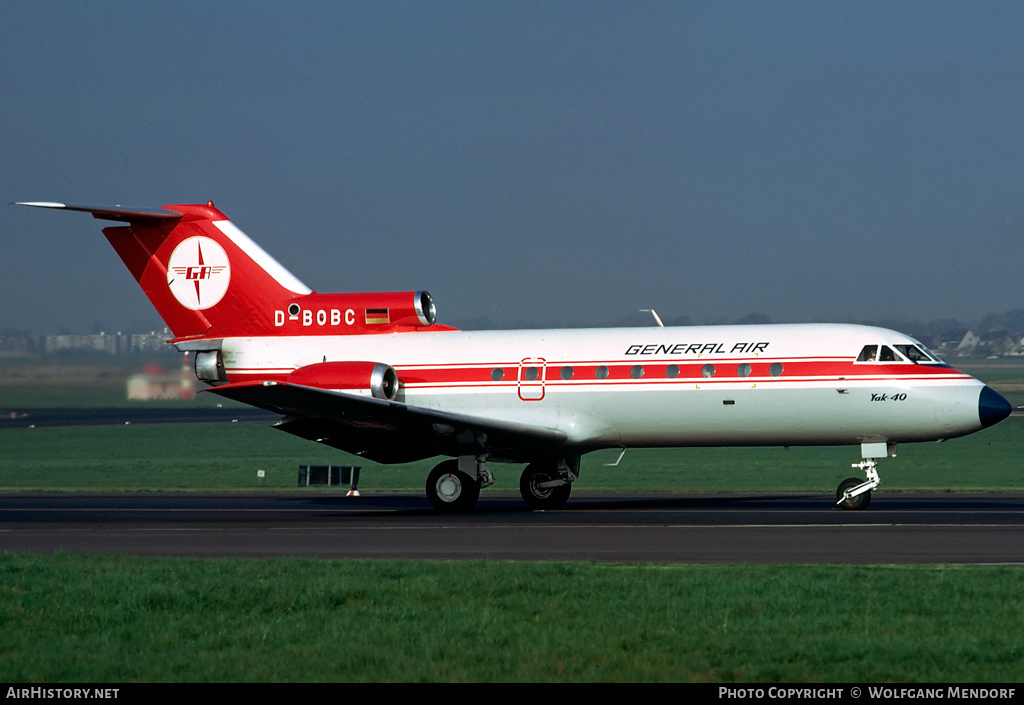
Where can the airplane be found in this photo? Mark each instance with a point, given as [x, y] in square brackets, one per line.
[375, 375]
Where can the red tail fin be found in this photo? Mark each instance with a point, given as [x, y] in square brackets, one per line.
[205, 277]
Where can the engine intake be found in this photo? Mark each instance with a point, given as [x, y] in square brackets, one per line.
[425, 309]
[209, 366]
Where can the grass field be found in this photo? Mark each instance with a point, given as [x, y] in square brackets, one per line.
[114, 619]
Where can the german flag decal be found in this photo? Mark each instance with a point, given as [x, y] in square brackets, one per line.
[377, 315]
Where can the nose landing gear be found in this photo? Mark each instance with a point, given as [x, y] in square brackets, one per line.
[855, 494]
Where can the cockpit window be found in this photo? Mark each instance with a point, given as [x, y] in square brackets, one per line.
[868, 354]
[916, 354]
[897, 353]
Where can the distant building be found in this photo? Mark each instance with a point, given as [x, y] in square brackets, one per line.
[151, 342]
[968, 344]
[21, 344]
[156, 382]
[112, 343]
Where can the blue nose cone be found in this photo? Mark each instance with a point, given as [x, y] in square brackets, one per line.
[992, 407]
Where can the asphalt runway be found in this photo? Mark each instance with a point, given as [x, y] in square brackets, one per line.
[41, 418]
[898, 528]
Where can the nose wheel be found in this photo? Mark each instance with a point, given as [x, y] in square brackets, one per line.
[853, 493]
[846, 500]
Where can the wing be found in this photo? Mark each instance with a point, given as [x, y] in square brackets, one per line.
[388, 431]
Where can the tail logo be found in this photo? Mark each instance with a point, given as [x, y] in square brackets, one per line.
[198, 273]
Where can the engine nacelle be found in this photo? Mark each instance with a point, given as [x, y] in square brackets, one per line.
[367, 378]
[341, 314]
[395, 308]
[209, 366]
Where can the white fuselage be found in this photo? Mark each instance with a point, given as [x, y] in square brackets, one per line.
[688, 386]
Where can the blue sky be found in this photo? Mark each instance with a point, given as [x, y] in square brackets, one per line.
[539, 163]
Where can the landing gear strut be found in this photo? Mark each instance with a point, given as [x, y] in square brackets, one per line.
[854, 494]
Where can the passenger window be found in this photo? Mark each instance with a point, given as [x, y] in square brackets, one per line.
[637, 372]
[672, 371]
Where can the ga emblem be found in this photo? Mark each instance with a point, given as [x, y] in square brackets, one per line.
[198, 273]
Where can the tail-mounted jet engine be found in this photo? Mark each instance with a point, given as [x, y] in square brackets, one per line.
[346, 314]
[398, 308]
[209, 367]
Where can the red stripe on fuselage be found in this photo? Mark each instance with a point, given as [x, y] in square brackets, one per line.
[689, 372]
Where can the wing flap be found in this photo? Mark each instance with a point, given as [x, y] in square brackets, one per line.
[388, 431]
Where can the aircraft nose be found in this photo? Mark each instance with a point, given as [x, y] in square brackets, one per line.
[992, 407]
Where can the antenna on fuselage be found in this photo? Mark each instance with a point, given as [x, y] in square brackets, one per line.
[657, 318]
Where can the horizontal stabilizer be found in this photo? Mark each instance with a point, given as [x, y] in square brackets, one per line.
[120, 213]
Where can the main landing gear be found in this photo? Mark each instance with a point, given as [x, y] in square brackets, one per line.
[853, 493]
[546, 485]
[453, 486]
